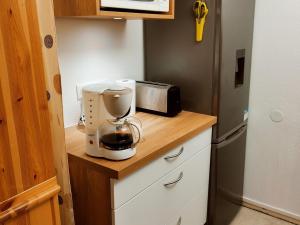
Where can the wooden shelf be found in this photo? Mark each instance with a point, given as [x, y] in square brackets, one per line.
[133, 15]
[91, 9]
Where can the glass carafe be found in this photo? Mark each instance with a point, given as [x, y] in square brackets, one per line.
[118, 135]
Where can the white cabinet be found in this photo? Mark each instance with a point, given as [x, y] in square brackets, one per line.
[124, 190]
[193, 213]
[167, 191]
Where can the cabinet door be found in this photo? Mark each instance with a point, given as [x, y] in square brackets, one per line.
[194, 213]
[26, 153]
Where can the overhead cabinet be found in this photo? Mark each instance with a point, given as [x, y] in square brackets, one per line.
[95, 9]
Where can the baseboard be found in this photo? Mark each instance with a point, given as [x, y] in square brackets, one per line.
[269, 210]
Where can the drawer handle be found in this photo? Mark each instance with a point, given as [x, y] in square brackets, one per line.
[174, 182]
[168, 158]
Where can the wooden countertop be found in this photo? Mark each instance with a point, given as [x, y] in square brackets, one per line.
[160, 135]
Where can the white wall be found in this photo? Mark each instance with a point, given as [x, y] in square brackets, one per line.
[91, 50]
[273, 150]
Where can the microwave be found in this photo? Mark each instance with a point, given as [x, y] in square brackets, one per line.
[144, 5]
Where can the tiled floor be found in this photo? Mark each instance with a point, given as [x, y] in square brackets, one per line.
[250, 217]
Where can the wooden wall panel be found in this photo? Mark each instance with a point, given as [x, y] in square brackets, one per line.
[7, 178]
[23, 88]
[20, 220]
[10, 164]
[53, 83]
[45, 214]
[37, 206]
[31, 126]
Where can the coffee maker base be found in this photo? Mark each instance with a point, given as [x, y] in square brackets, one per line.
[111, 154]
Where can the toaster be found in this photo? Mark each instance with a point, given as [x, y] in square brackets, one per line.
[158, 98]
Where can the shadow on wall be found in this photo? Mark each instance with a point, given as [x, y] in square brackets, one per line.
[110, 33]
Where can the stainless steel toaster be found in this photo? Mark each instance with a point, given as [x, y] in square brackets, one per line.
[158, 98]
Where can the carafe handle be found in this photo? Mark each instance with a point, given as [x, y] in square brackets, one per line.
[133, 126]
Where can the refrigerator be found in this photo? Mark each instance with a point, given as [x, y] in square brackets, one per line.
[214, 77]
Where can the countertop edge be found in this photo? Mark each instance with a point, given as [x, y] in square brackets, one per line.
[124, 172]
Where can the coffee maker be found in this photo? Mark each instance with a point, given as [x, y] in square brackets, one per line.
[110, 132]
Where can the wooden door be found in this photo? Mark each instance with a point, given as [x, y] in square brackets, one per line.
[28, 186]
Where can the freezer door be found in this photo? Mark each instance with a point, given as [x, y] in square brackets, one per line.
[172, 55]
[227, 178]
[236, 32]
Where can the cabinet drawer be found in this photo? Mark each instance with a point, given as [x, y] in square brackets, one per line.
[124, 190]
[194, 213]
[159, 202]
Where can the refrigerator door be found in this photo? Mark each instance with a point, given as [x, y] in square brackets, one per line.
[235, 50]
[227, 178]
[172, 55]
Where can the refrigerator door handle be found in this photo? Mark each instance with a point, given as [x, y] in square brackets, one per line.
[232, 138]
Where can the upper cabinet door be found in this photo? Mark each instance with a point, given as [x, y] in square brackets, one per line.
[125, 9]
